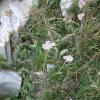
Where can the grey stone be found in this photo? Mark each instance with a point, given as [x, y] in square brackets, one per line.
[10, 83]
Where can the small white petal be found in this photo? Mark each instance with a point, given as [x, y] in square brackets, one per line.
[98, 73]
[53, 44]
[81, 3]
[68, 58]
[81, 16]
[48, 45]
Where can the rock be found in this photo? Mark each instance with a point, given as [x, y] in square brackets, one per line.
[13, 16]
[10, 83]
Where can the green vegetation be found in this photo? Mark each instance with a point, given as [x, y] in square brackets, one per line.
[80, 79]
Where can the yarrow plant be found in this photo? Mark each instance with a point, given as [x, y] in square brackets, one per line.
[68, 58]
[48, 45]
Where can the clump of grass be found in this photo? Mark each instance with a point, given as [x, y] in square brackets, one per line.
[78, 80]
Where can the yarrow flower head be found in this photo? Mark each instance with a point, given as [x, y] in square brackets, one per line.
[68, 58]
[81, 16]
[48, 45]
[81, 3]
[64, 5]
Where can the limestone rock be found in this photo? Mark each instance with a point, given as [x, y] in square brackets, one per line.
[10, 83]
[13, 16]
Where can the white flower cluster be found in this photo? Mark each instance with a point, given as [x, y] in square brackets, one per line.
[68, 58]
[64, 5]
[67, 4]
[81, 4]
[49, 45]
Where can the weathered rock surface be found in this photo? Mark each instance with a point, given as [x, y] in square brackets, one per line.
[13, 16]
[10, 83]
